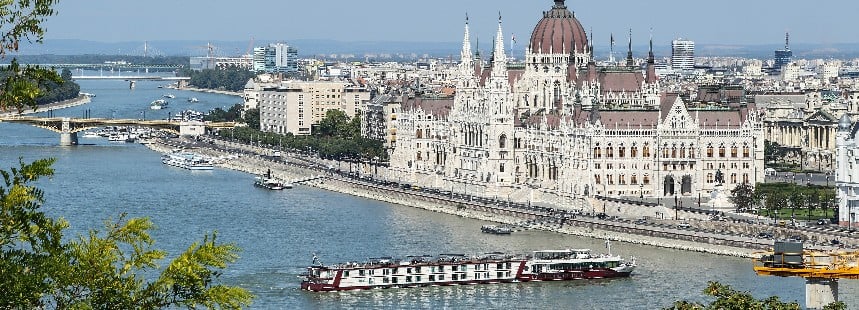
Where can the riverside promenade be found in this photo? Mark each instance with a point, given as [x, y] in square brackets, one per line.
[698, 234]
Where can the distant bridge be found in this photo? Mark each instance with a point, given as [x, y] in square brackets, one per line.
[68, 128]
[110, 66]
[130, 77]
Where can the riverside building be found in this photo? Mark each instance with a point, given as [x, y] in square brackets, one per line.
[295, 106]
[559, 127]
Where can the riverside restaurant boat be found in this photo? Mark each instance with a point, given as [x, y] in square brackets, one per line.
[268, 182]
[458, 269]
[186, 160]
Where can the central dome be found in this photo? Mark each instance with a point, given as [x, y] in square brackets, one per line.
[559, 32]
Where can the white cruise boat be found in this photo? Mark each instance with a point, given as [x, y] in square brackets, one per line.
[90, 134]
[158, 104]
[459, 269]
[186, 160]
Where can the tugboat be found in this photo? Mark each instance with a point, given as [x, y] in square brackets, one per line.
[268, 182]
[459, 269]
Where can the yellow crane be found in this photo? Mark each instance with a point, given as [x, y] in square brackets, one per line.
[821, 269]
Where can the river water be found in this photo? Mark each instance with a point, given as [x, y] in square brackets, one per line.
[279, 231]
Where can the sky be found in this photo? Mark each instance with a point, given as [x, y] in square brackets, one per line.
[746, 22]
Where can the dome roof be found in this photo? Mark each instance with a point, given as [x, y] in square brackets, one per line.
[844, 124]
[559, 32]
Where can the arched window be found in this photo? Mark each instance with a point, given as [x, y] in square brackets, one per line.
[609, 152]
[746, 151]
[419, 134]
[646, 151]
[633, 152]
[709, 151]
[674, 152]
[634, 179]
[622, 179]
[722, 151]
[597, 152]
[621, 152]
[734, 152]
[646, 179]
[709, 178]
[502, 141]
[745, 178]
[597, 179]
[733, 178]
[429, 136]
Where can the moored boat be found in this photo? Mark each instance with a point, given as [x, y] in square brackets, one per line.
[187, 160]
[458, 269]
[267, 181]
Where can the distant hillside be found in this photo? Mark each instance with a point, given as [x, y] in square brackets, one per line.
[407, 49]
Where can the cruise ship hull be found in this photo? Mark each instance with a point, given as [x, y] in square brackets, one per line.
[456, 269]
[565, 276]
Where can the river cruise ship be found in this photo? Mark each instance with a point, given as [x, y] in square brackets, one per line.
[188, 161]
[457, 269]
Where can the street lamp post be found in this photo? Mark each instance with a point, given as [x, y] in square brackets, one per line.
[641, 191]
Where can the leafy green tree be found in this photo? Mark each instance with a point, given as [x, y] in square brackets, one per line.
[744, 197]
[100, 270]
[38, 269]
[729, 298]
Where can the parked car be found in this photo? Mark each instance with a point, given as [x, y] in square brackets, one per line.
[822, 222]
[683, 225]
[640, 221]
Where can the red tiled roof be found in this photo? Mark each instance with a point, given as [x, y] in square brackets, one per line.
[614, 81]
[437, 107]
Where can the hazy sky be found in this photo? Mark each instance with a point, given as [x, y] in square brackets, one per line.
[723, 21]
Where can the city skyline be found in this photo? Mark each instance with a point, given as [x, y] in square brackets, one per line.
[387, 20]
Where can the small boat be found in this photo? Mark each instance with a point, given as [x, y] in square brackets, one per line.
[171, 96]
[90, 134]
[268, 182]
[496, 230]
[158, 104]
[193, 100]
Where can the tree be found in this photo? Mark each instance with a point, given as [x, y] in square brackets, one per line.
[100, 270]
[38, 269]
[729, 298]
[22, 20]
[743, 196]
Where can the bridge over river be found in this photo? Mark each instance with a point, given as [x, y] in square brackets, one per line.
[69, 127]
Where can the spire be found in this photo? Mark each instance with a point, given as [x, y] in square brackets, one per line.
[629, 60]
[559, 4]
[466, 56]
[500, 57]
[651, 78]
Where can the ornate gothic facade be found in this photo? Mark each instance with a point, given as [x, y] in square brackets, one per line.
[562, 127]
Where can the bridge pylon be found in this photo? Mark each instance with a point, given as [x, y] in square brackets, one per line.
[67, 136]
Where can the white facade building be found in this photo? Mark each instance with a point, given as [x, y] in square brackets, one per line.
[295, 106]
[560, 127]
[847, 173]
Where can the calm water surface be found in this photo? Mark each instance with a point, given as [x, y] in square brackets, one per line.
[279, 231]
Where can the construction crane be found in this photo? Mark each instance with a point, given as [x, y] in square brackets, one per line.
[821, 270]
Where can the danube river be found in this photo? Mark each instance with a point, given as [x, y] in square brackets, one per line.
[279, 231]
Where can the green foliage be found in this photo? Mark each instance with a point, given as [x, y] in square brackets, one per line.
[56, 92]
[231, 78]
[234, 114]
[22, 20]
[744, 197]
[100, 270]
[797, 199]
[334, 147]
[728, 298]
